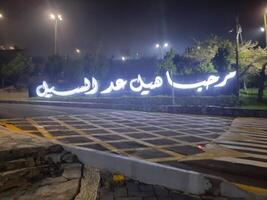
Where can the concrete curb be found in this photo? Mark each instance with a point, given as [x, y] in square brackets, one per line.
[201, 110]
[189, 182]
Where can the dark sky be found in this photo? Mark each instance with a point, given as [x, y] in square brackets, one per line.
[118, 27]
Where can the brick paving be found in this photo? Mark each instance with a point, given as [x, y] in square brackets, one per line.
[207, 144]
[153, 137]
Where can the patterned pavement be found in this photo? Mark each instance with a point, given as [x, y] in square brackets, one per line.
[235, 150]
[155, 137]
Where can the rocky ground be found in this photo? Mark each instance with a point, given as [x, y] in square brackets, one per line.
[35, 169]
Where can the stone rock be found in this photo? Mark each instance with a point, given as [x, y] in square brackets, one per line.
[72, 171]
[89, 184]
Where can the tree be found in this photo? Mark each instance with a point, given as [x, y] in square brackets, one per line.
[20, 67]
[186, 65]
[74, 71]
[221, 61]
[253, 60]
[205, 51]
[54, 67]
[95, 65]
[167, 64]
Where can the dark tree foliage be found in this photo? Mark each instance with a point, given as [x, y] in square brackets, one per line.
[185, 65]
[54, 67]
[221, 60]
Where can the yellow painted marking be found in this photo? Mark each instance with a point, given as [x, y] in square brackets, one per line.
[44, 132]
[253, 189]
[177, 156]
[13, 128]
[80, 132]
[163, 159]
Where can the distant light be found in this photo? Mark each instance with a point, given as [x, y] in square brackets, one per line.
[123, 58]
[59, 17]
[166, 45]
[262, 29]
[52, 16]
[157, 46]
[11, 47]
[1, 15]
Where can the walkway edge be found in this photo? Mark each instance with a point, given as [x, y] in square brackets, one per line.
[189, 182]
[200, 110]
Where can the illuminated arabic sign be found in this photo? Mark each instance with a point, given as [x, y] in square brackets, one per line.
[136, 85]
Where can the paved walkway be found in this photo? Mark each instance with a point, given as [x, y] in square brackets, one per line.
[200, 143]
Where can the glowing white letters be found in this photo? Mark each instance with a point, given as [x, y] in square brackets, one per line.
[158, 82]
[136, 85]
[120, 84]
[44, 91]
[226, 78]
[206, 83]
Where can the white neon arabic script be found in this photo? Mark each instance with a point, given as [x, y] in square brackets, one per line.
[206, 83]
[119, 85]
[136, 85]
[44, 90]
[157, 83]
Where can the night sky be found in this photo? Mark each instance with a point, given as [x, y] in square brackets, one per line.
[118, 27]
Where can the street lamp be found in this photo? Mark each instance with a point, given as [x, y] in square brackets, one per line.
[161, 48]
[123, 58]
[165, 45]
[55, 18]
[265, 26]
[78, 51]
[1, 16]
[262, 29]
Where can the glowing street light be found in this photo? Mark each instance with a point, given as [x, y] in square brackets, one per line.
[262, 29]
[55, 18]
[161, 48]
[166, 45]
[123, 58]
[1, 16]
[78, 51]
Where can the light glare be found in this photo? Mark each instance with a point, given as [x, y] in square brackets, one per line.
[52, 16]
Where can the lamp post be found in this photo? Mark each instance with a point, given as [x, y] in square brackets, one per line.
[56, 19]
[161, 48]
[265, 26]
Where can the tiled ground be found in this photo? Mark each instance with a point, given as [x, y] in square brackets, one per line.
[205, 144]
[154, 137]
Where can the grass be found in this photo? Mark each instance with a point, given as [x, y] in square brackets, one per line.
[248, 99]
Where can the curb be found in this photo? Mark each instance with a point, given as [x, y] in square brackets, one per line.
[189, 182]
[199, 110]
